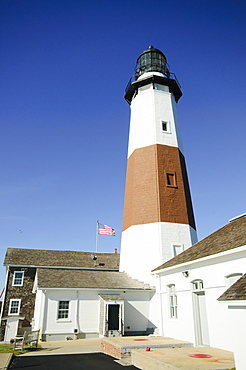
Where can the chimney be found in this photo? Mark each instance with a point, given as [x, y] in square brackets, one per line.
[115, 251]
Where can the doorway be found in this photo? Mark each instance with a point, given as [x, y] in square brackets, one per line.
[113, 316]
[200, 314]
[11, 328]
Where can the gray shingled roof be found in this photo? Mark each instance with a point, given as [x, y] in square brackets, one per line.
[230, 236]
[236, 292]
[69, 278]
[36, 257]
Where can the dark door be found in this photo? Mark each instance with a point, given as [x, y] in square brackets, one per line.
[113, 316]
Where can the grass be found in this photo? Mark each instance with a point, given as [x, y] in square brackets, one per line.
[7, 348]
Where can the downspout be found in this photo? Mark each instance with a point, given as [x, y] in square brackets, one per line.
[77, 316]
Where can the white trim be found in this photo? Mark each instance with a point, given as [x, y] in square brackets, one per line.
[5, 290]
[64, 267]
[172, 302]
[10, 317]
[100, 289]
[43, 311]
[35, 283]
[10, 306]
[67, 310]
[199, 260]
[234, 303]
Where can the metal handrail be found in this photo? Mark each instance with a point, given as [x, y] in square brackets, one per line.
[134, 78]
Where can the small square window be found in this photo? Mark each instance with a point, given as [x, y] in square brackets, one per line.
[177, 249]
[164, 126]
[63, 310]
[171, 180]
[14, 306]
[18, 278]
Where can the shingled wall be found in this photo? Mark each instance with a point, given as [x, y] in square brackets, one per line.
[24, 293]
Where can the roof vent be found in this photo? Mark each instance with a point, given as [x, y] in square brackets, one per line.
[237, 217]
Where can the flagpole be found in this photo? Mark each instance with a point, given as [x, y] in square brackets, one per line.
[97, 237]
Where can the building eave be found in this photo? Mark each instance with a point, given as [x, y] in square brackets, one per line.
[63, 267]
[234, 302]
[202, 260]
[100, 288]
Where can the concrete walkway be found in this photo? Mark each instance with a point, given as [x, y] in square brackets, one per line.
[5, 359]
[180, 359]
[67, 346]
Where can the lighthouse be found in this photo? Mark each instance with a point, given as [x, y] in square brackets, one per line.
[158, 221]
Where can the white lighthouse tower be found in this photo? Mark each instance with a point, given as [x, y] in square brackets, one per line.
[158, 218]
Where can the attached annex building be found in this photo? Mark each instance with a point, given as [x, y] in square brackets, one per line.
[202, 291]
[65, 293]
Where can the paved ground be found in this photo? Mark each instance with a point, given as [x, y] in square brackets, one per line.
[86, 361]
[180, 359]
[85, 354]
[5, 359]
[137, 342]
[68, 346]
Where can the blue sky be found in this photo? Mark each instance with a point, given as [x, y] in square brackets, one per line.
[64, 122]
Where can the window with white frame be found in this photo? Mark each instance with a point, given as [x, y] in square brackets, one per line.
[63, 310]
[14, 306]
[177, 249]
[172, 297]
[18, 278]
[165, 126]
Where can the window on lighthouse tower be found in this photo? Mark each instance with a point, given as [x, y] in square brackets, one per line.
[164, 126]
[171, 179]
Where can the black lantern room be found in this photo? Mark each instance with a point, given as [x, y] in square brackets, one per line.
[152, 60]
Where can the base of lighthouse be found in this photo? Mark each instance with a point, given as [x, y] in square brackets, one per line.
[145, 247]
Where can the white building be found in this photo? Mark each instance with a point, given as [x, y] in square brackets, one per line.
[235, 300]
[66, 293]
[191, 287]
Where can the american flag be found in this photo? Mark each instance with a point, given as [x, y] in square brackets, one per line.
[105, 230]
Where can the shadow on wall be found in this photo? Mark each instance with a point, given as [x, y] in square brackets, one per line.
[136, 322]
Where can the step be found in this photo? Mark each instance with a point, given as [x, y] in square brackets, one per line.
[122, 347]
[180, 359]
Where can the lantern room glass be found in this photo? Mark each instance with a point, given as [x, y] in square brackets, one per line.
[152, 60]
